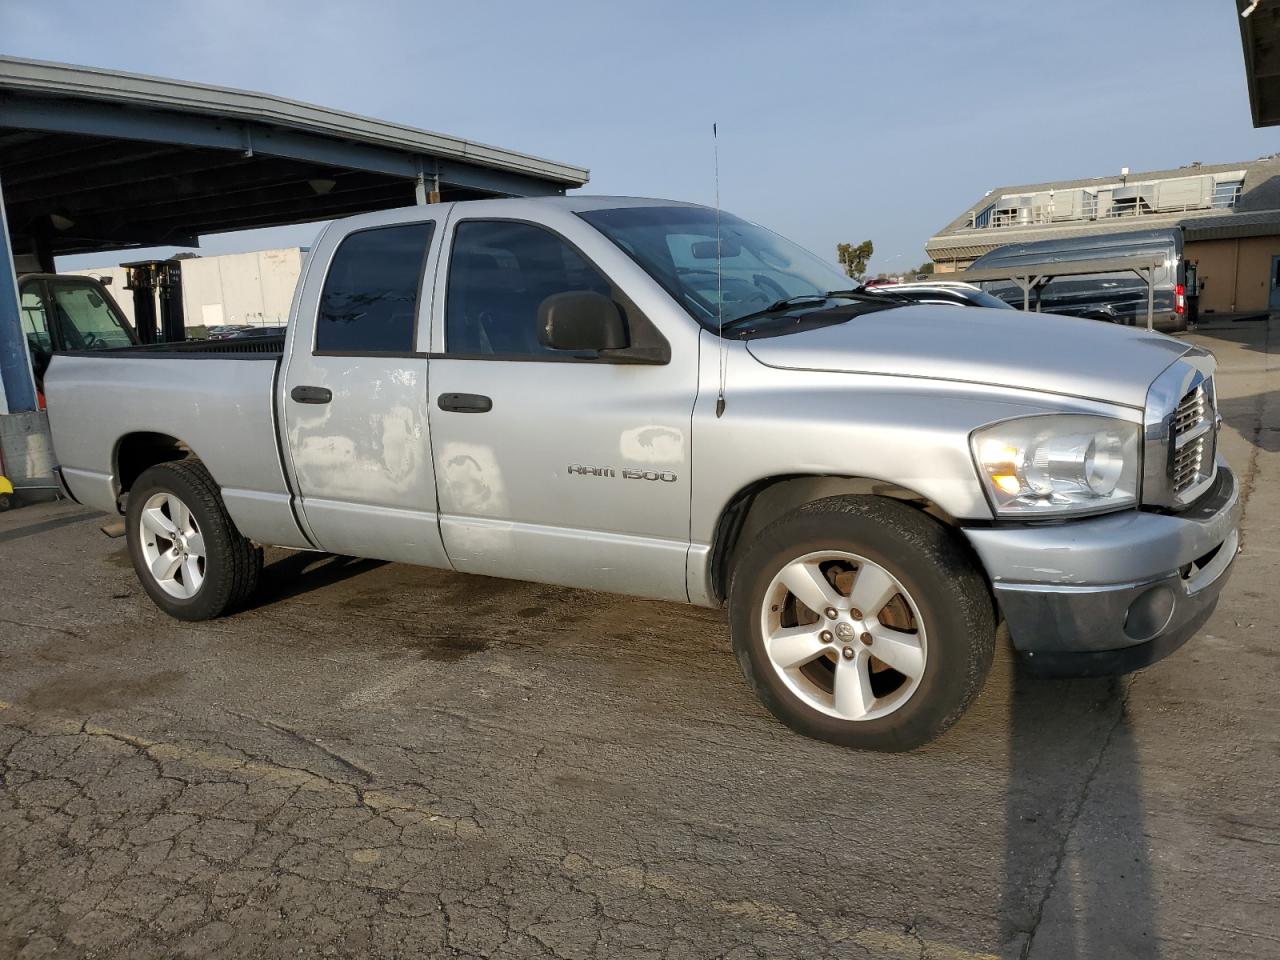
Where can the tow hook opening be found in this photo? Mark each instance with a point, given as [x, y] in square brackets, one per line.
[1150, 613]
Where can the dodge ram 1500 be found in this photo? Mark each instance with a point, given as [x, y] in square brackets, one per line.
[651, 398]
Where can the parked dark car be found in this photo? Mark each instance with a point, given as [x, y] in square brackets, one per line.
[1119, 297]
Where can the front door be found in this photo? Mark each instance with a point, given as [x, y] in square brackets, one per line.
[354, 399]
[1274, 300]
[556, 467]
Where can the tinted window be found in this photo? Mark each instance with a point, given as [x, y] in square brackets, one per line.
[370, 297]
[87, 319]
[499, 274]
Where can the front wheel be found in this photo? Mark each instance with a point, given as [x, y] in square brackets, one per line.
[188, 555]
[863, 622]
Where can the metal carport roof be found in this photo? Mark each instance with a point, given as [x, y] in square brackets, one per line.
[93, 159]
[1260, 40]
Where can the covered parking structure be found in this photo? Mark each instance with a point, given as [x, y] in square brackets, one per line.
[1031, 279]
[94, 160]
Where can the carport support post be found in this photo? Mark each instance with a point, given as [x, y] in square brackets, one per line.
[1025, 283]
[17, 385]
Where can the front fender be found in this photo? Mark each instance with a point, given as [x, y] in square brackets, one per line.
[905, 432]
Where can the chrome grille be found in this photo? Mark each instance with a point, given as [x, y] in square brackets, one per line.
[1192, 435]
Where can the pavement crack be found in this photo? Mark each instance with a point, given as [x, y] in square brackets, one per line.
[1077, 808]
[43, 626]
[344, 762]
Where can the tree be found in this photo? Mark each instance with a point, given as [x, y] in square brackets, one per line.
[854, 257]
[925, 268]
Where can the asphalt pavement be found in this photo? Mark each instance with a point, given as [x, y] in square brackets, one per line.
[379, 760]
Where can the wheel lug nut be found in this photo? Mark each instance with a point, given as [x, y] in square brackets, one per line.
[855, 613]
[832, 613]
[866, 638]
[847, 653]
[826, 636]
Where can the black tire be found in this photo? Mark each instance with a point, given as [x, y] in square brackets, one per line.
[932, 564]
[232, 564]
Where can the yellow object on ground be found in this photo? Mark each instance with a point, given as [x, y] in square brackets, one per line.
[6, 487]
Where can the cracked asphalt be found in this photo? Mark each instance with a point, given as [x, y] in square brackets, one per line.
[384, 761]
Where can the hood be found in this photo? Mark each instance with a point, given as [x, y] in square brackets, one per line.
[1006, 348]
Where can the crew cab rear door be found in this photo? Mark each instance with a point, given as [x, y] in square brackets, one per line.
[354, 388]
[566, 467]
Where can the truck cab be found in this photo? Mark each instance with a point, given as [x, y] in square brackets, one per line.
[63, 312]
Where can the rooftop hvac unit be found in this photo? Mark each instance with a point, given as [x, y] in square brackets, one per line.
[1185, 193]
[1069, 205]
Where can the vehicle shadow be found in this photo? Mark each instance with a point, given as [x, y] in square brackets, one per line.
[1246, 414]
[302, 572]
[1251, 333]
[1077, 863]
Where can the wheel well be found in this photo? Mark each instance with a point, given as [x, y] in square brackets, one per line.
[137, 452]
[754, 507]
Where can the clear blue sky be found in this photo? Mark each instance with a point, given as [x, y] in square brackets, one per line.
[838, 120]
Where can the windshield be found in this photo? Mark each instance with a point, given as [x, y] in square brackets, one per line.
[87, 318]
[677, 247]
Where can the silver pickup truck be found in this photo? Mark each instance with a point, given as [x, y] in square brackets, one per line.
[651, 398]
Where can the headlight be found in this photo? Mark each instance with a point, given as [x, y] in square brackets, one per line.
[1058, 464]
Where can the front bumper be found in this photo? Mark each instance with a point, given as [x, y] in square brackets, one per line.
[1114, 593]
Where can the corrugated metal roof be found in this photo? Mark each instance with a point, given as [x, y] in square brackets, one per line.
[1260, 223]
[43, 78]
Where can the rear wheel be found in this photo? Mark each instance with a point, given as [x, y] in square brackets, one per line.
[863, 622]
[187, 553]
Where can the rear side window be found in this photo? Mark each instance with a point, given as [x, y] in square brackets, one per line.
[369, 303]
[499, 274]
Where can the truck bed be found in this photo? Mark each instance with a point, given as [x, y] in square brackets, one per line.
[223, 409]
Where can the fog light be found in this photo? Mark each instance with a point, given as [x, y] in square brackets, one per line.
[1149, 614]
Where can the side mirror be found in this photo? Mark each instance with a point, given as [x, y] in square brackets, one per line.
[581, 320]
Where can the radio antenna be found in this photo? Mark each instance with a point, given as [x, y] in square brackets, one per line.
[723, 356]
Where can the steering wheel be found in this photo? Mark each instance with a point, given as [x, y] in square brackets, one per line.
[90, 340]
[775, 289]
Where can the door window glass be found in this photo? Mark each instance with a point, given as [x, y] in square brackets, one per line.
[35, 322]
[369, 303]
[86, 317]
[500, 272]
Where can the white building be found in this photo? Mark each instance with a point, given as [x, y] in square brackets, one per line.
[236, 288]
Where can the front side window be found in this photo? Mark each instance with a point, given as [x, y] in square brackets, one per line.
[87, 319]
[500, 272]
[369, 303]
[679, 247]
[35, 322]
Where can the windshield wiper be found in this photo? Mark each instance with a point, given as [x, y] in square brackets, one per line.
[808, 298]
[812, 299]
